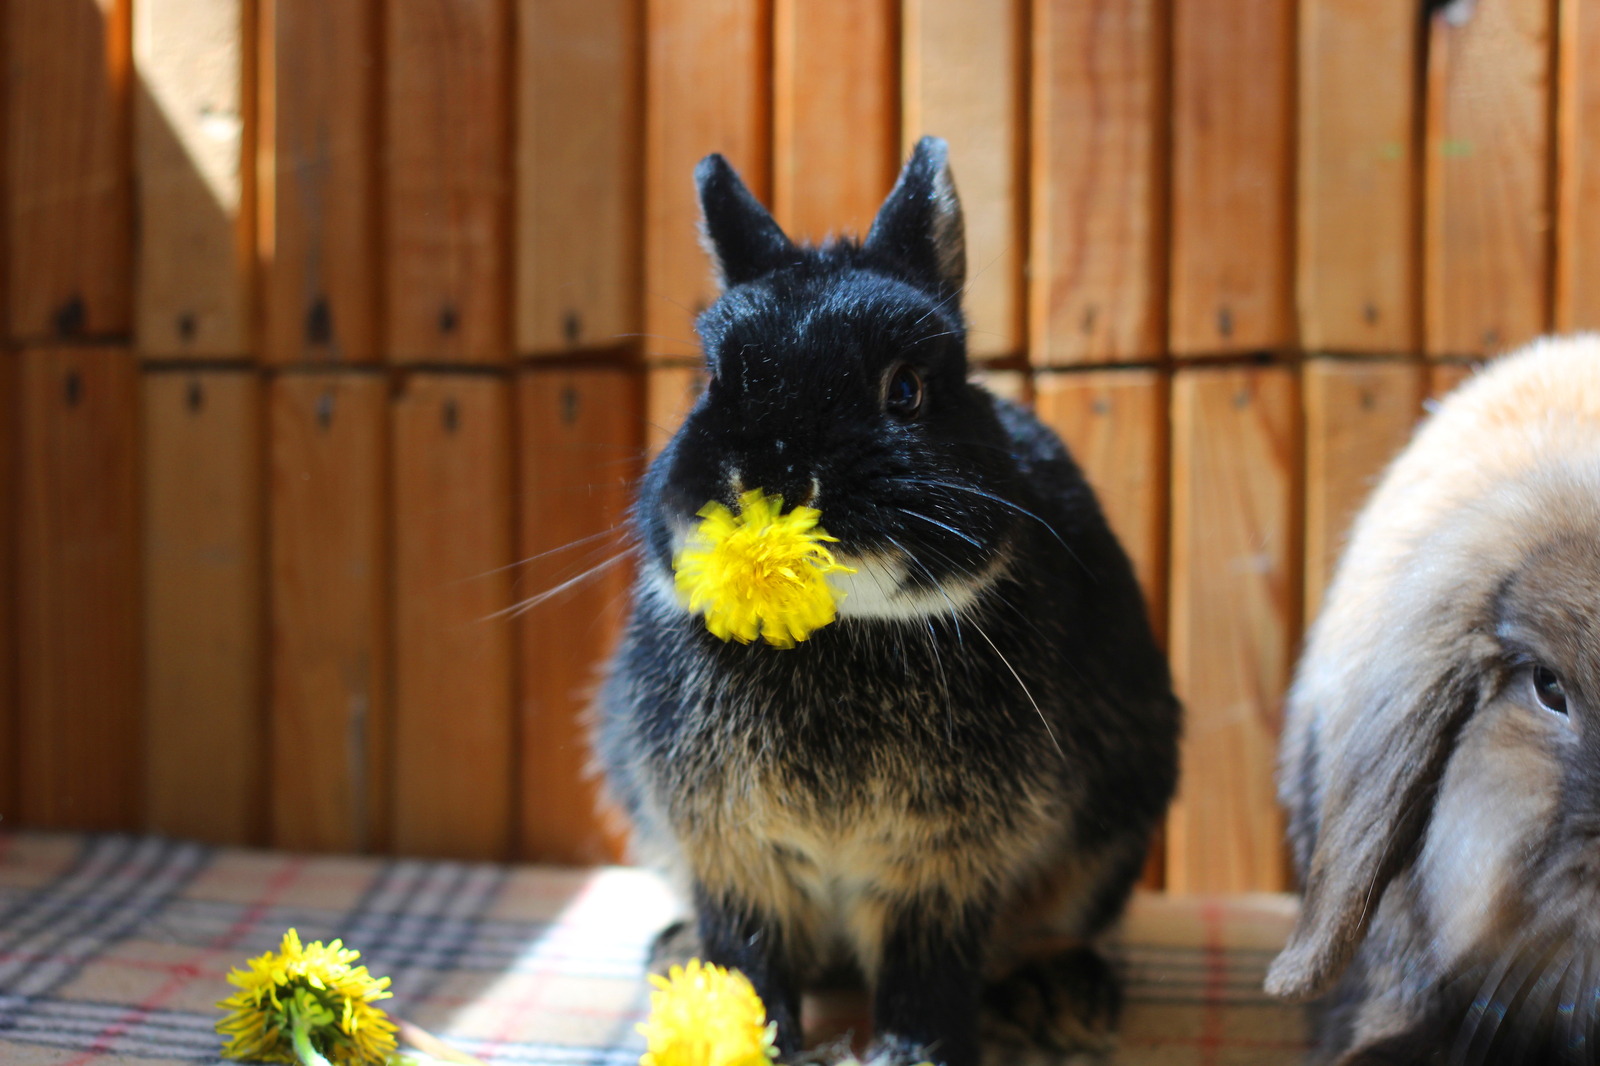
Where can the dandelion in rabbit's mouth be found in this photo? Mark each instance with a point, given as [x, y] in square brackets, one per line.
[759, 573]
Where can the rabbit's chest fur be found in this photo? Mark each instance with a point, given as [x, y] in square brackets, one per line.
[875, 764]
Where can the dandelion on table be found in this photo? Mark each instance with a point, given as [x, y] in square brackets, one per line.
[307, 1004]
[703, 1015]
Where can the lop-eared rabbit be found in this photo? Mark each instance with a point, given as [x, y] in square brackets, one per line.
[1441, 757]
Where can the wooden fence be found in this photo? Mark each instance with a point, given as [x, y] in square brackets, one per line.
[328, 325]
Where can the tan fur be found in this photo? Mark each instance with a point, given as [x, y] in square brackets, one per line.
[1496, 799]
[847, 864]
[1400, 710]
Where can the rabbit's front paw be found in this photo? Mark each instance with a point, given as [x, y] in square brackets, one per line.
[898, 1051]
[1062, 1004]
[675, 946]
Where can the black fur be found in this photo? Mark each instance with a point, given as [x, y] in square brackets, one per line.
[1027, 741]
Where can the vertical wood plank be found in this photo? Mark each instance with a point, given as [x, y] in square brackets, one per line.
[836, 113]
[447, 180]
[1097, 243]
[670, 391]
[10, 411]
[707, 90]
[452, 543]
[330, 622]
[1358, 225]
[7, 200]
[78, 589]
[1358, 416]
[580, 431]
[70, 197]
[1234, 606]
[964, 72]
[1577, 280]
[204, 617]
[1232, 212]
[1114, 422]
[578, 172]
[317, 160]
[191, 155]
[1488, 212]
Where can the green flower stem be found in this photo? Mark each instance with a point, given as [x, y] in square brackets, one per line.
[300, 1034]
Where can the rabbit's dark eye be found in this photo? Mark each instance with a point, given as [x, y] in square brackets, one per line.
[1547, 687]
[903, 398]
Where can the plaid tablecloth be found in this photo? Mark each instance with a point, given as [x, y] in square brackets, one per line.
[114, 950]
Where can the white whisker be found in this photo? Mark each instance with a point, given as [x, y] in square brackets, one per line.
[955, 616]
[1025, 691]
[1004, 502]
[517, 609]
[1487, 1008]
[947, 528]
[1529, 1026]
[621, 527]
[1572, 1030]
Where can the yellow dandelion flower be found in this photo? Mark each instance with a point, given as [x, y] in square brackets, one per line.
[703, 1015]
[760, 572]
[307, 1003]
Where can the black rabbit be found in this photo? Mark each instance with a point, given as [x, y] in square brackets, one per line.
[987, 733]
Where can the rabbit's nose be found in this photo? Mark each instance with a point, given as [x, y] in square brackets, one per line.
[806, 498]
[797, 485]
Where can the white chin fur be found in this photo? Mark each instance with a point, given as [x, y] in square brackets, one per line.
[878, 589]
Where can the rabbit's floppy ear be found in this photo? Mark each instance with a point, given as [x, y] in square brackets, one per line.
[920, 223]
[740, 234]
[1383, 732]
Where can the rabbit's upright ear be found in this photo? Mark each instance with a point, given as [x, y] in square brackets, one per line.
[1382, 734]
[741, 235]
[920, 223]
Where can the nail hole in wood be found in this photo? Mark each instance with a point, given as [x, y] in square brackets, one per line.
[1101, 406]
[447, 319]
[1241, 399]
[73, 388]
[319, 322]
[69, 317]
[452, 415]
[196, 397]
[325, 409]
[1224, 321]
[572, 326]
[569, 405]
[1370, 313]
[1087, 324]
[186, 327]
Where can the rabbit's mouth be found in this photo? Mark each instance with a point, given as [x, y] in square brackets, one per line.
[887, 584]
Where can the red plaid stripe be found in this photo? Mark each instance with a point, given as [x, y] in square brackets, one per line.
[187, 973]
